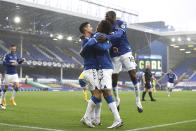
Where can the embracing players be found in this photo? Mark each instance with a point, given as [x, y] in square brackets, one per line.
[98, 70]
[11, 61]
[121, 54]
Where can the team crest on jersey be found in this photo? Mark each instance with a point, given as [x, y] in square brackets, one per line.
[123, 26]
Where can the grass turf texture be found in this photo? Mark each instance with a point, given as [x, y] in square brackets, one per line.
[63, 110]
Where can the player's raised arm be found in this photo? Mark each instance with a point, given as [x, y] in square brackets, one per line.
[116, 35]
[104, 46]
[119, 33]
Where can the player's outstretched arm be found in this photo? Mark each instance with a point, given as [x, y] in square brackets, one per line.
[20, 61]
[103, 46]
[117, 35]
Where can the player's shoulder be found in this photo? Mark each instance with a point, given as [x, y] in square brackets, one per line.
[120, 22]
[85, 40]
[174, 74]
[98, 34]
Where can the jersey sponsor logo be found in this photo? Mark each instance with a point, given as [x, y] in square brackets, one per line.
[12, 60]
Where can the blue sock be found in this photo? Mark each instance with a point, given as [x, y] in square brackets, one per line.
[109, 99]
[114, 85]
[95, 100]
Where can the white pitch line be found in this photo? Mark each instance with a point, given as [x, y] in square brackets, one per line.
[29, 127]
[163, 125]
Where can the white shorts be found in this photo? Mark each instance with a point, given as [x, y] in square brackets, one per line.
[127, 60]
[11, 79]
[105, 79]
[170, 85]
[91, 78]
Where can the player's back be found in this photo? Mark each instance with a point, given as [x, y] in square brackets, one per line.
[89, 57]
[121, 43]
[102, 55]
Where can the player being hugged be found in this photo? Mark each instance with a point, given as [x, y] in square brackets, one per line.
[90, 75]
[105, 68]
[121, 54]
[11, 61]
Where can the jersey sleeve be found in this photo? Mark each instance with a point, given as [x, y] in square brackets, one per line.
[121, 30]
[103, 46]
[123, 26]
[19, 60]
[89, 43]
[6, 61]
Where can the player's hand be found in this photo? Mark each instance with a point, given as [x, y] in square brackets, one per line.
[14, 64]
[144, 82]
[23, 60]
[115, 49]
[101, 39]
[81, 54]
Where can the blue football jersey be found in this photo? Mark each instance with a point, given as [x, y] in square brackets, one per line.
[120, 42]
[171, 77]
[8, 60]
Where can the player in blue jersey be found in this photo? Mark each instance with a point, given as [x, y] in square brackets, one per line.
[121, 54]
[104, 67]
[11, 61]
[90, 75]
[171, 77]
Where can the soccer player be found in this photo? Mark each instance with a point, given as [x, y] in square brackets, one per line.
[1, 105]
[105, 69]
[171, 77]
[11, 61]
[90, 74]
[147, 77]
[95, 116]
[121, 54]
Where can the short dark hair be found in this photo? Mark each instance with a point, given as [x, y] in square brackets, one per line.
[82, 26]
[104, 26]
[111, 13]
[13, 45]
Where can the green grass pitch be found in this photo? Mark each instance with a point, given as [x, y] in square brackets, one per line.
[63, 111]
